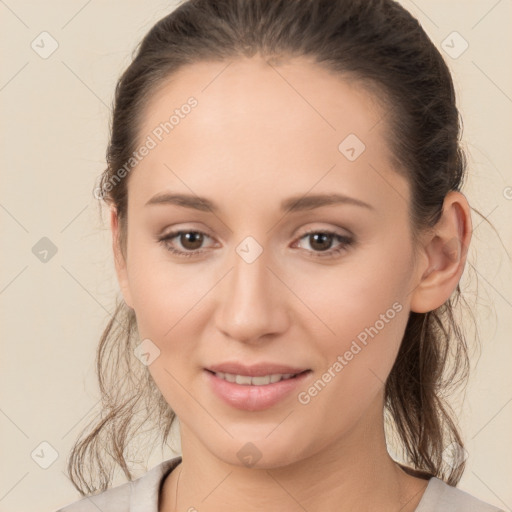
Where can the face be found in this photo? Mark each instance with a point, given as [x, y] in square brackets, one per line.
[259, 278]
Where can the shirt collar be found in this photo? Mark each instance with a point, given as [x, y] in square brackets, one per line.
[145, 490]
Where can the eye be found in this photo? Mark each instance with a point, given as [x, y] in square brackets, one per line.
[190, 240]
[321, 242]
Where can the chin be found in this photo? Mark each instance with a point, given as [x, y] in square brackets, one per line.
[259, 451]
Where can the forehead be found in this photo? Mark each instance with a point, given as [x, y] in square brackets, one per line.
[295, 93]
[262, 127]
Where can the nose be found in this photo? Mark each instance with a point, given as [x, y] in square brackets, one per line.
[252, 301]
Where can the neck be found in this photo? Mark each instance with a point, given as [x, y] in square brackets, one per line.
[353, 473]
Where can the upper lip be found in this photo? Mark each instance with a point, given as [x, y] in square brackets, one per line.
[255, 370]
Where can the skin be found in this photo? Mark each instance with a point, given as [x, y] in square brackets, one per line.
[261, 134]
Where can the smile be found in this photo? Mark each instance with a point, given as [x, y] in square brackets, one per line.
[254, 392]
[247, 380]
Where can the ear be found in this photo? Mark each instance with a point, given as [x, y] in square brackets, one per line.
[444, 255]
[119, 259]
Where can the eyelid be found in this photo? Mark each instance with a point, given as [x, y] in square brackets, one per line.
[165, 238]
[332, 230]
[345, 243]
[343, 232]
[179, 227]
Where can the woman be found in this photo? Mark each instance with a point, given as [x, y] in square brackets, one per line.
[289, 234]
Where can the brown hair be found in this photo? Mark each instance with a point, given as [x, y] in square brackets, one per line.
[378, 43]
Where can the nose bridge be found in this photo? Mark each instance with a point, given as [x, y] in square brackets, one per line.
[251, 304]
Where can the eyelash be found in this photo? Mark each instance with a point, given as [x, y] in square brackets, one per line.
[346, 242]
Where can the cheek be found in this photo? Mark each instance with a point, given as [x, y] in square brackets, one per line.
[361, 313]
[165, 295]
[346, 300]
[356, 366]
[167, 302]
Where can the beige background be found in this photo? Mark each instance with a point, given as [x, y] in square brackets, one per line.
[54, 131]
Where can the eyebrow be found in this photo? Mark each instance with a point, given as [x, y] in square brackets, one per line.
[292, 204]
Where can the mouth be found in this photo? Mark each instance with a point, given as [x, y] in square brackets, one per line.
[262, 380]
[254, 388]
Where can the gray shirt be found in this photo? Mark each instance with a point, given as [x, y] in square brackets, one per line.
[141, 495]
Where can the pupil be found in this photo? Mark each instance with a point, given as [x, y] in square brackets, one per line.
[324, 237]
[192, 238]
[321, 240]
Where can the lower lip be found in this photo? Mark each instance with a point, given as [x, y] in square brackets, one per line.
[253, 398]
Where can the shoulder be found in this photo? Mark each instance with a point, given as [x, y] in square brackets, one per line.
[125, 497]
[116, 499]
[441, 497]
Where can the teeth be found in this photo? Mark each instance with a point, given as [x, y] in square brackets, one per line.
[275, 378]
[243, 379]
[254, 381]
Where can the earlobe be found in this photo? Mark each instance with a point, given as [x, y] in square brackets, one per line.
[445, 251]
[119, 259]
